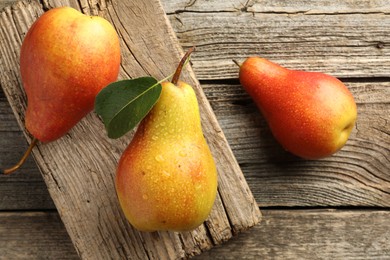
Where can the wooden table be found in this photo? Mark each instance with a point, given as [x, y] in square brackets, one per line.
[337, 207]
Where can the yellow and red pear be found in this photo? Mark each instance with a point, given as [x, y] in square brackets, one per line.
[311, 114]
[66, 58]
[166, 178]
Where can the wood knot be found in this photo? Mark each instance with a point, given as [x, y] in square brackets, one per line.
[380, 45]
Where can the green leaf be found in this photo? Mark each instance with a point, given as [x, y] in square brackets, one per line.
[123, 104]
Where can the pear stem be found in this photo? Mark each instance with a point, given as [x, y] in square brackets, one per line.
[237, 63]
[179, 68]
[22, 160]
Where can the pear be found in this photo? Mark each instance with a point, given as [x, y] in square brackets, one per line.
[311, 114]
[166, 178]
[66, 58]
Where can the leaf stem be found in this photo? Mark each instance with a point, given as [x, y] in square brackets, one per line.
[164, 79]
[22, 160]
[179, 68]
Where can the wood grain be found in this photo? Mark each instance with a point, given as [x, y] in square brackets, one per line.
[345, 39]
[284, 234]
[79, 168]
[315, 234]
[26, 190]
[44, 236]
[4, 3]
[282, 7]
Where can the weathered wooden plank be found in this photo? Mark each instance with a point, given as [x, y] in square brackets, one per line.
[344, 38]
[4, 3]
[322, 6]
[83, 189]
[34, 235]
[284, 234]
[299, 6]
[26, 189]
[316, 234]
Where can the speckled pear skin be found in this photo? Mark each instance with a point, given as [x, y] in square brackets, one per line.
[166, 178]
[311, 114]
[65, 60]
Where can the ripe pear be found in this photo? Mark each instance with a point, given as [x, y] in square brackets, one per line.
[66, 58]
[311, 114]
[166, 178]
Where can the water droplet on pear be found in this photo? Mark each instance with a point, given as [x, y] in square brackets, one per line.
[159, 158]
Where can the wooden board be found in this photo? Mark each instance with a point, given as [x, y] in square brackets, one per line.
[79, 168]
[283, 234]
[343, 38]
[312, 234]
[44, 236]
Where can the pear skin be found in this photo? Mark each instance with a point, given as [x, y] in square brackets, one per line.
[66, 58]
[310, 114]
[166, 178]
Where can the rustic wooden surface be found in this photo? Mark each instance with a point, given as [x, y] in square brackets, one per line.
[338, 207]
[283, 234]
